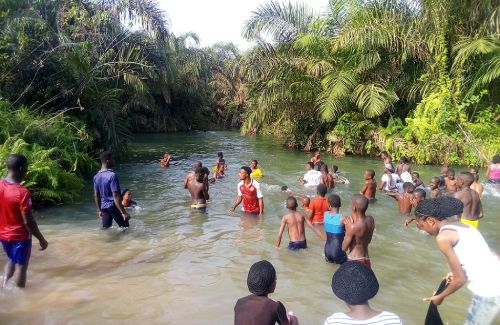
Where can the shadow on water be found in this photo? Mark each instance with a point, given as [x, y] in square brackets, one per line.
[177, 266]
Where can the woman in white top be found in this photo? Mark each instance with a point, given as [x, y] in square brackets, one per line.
[355, 284]
[468, 255]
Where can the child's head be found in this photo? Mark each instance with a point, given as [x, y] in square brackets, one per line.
[451, 173]
[304, 203]
[355, 283]
[384, 154]
[403, 160]
[408, 187]
[197, 164]
[254, 163]
[334, 201]
[444, 168]
[261, 279]
[291, 203]
[369, 174]
[322, 189]
[418, 196]
[335, 168]
[465, 179]
[475, 172]
[359, 203]
[220, 155]
[126, 194]
[415, 176]
[309, 165]
[284, 188]
[323, 168]
[434, 183]
[206, 171]
[430, 213]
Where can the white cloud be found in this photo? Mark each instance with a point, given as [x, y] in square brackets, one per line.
[216, 20]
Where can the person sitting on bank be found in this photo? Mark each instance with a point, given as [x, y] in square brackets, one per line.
[355, 284]
[256, 171]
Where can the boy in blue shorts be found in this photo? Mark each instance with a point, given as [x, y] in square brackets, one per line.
[16, 221]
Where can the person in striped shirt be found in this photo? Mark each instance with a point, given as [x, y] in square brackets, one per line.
[355, 284]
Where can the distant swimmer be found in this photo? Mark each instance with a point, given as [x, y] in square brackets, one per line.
[256, 171]
[404, 199]
[336, 177]
[127, 201]
[249, 192]
[198, 190]
[358, 231]
[17, 224]
[493, 171]
[165, 161]
[311, 177]
[295, 223]
[473, 209]
[107, 194]
[220, 167]
[326, 178]
[369, 189]
[335, 231]
[434, 186]
[450, 183]
[286, 190]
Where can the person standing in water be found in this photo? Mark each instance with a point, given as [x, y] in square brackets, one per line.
[107, 194]
[326, 178]
[249, 192]
[476, 186]
[198, 190]
[335, 231]
[473, 209]
[256, 171]
[468, 255]
[370, 187]
[17, 224]
[358, 231]
[493, 171]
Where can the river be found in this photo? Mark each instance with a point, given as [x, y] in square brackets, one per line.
[174, 266]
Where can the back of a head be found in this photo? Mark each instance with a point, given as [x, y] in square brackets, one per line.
[220, 154]
[323, 168]
[125, 191]
[371, 172]
[255, 162]
[16, 161]
[311, 164]
[415, 174]
[197, 164]
[261, 277]
[291, 203]
[407, 185]
[206, 171]
[354, 283]
[360, 202]
[322, 189]
[334, 201]
[420, 192]
[105, 156]
[467, 178]
[496, 159]
[284, 188]
[335, 168]
[199, 171]
[440, 208]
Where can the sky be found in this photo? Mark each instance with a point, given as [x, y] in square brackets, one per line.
[217, 20]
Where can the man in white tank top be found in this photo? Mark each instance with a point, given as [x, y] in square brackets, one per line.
[468, 256]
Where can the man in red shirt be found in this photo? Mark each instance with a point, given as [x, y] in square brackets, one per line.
[16, 221]
[249, 192]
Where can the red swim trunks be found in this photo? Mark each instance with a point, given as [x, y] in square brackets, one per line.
[364, 260]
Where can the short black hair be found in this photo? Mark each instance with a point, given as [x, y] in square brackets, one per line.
[407, 185]
[371, 172]
[441, 208]
[322, 189]
[255, 161]
[199, 170]
[451, 170]
[416, 174]
[105, 156]
[206, 170]
[125, 191]
[220, 154]
[496, 159]
[403, 159]
[467, 177]
[284, 188]
[311, 164]
[335, 168]
[323, 166]
[435, 179]
[421, 192]
[293, 201]
[16, 162]
[197, 164]
[334, 201]
[261, 277]
[247, 169]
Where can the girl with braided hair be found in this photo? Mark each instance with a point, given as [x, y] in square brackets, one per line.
[468, 256]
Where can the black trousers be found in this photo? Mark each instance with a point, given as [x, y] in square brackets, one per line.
[113, 213]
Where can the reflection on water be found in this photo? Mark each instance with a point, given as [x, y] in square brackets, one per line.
[175, 266]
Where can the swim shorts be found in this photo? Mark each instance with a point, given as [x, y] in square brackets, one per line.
[296, 245]
[473, 223]
[18, 251]
[364, 260]
[199, 207]
[110, 214]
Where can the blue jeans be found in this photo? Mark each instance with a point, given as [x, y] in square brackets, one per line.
[482, 310]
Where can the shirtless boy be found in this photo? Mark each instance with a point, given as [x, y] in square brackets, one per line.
[476, 186]
[473, 209]
[295, 222]
[359, 231]
[370, 187]
[190, 175]
[403, 166]
[326, 178]
[434, 186]
[450, 182]
[198, 190]
[418, 196]
[415, 177]
[404, 199]
[286, 190]
[165, 161]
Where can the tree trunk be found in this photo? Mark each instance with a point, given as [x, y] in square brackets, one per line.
[310, 140]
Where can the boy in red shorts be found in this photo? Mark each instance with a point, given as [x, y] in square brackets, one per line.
[16, 221]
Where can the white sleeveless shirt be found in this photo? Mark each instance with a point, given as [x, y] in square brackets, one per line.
[481, 266]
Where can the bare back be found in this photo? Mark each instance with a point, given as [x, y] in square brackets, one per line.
[404, 202]
[473, 209]
[359, 234]
[327, 179]
[369, 189]
[198, 191]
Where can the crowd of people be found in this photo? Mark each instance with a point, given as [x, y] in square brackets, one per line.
[451, 214]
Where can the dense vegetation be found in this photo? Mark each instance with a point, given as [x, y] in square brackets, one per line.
[419, 78]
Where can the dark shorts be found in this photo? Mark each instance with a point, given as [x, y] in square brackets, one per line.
[296, 245]
[110, 214]
[494, 181]
[333, 248]
[18, 251]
